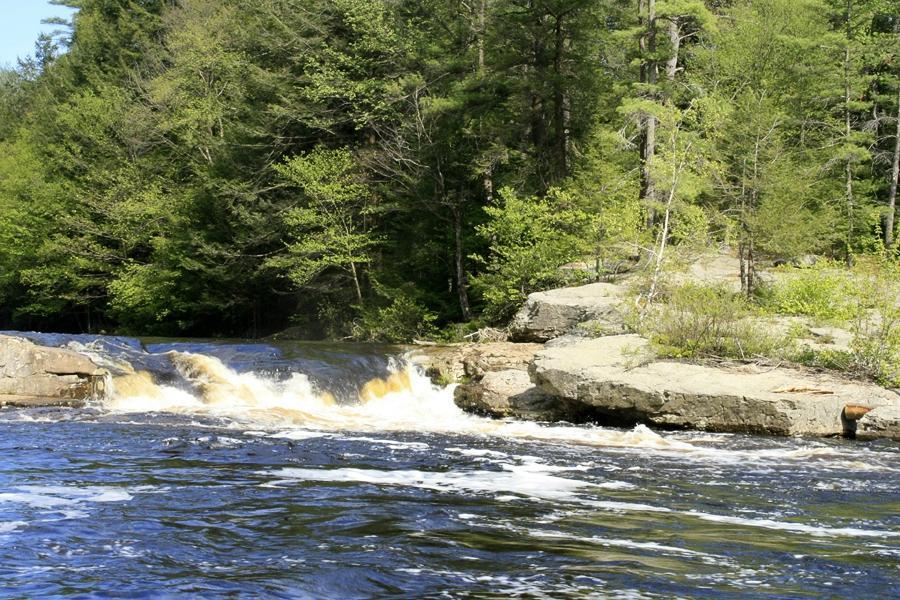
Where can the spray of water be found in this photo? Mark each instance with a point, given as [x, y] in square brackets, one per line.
[405, 400]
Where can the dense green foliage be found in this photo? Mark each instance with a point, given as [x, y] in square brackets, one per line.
[379, 169]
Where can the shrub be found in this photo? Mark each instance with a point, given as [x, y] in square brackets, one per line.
[530, 238]
[821, 292]
[700, 321]
[876, 323]
[872, 305]
[837, 360]
[403, 319]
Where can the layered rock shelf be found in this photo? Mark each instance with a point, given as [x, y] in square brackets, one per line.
[618, 379]
[32, 375]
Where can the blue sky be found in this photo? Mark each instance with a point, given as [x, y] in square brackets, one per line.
[20, 24]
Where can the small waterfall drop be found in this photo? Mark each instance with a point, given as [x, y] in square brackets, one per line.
[404, 400]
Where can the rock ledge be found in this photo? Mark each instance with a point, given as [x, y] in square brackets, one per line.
[619, 381]
[32, 375]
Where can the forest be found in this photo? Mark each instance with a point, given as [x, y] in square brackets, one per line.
[398, 169]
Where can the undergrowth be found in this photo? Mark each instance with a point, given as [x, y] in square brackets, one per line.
[695, 321]
[699, 321]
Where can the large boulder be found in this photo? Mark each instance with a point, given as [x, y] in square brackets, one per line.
[32, 375]
[551, 314]
[456, 363]
[620, 381]
[882, 422]
[509, 394]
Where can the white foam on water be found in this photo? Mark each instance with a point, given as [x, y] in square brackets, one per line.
[11, 526]
[813, 455]
[55, 503]
[295, 434]
[36, 500]
[615, 506]
[52, 497]
[616, 485]
[520, 481]
[762, 523]
[622, 543]
[537, 465]
[478, 452]
[814, 530]
[404, 401]
[393, 444]
[91, 494]
[530, 480]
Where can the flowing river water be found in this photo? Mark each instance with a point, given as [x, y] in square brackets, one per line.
[309, 470]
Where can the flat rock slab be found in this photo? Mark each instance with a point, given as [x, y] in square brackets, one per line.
[618, 377]
[882, 422]
[714, 269]
[32, 375]
[509, 394]
[551, 314]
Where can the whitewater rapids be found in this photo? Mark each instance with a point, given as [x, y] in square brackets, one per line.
[405, 400]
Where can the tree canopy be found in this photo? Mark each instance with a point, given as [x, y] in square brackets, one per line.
[225, 167]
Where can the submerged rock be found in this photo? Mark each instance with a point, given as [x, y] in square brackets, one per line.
[32, 375]
[551, 314]
[619, 380]
[509, 394]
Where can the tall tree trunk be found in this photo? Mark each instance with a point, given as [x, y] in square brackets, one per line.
[748, 267]
[355, 274]
[895, 176]
[560, 103]
[666, 222]
[650, 70]
[674, 48]
[642, 77]
[538, 109]
[487, 177]
[482, 30]
[848, 131]
[462, 279]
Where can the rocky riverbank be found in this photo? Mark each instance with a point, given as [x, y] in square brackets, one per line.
[573, 358]
[589, 370]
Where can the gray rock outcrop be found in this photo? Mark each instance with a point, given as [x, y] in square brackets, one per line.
[509, 394]
[882, 422]
[464, 362]
[551, 314]
[32, 375]
[618, 379]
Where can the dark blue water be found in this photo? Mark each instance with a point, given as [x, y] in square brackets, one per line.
[100, 503]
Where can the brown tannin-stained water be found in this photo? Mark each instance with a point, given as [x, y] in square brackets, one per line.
[338, 471]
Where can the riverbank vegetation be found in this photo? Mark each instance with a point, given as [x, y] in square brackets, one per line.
[793, 317]
[387, 170]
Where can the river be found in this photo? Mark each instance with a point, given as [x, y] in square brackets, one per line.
[322, 471]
